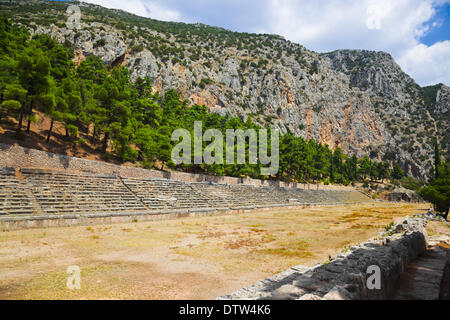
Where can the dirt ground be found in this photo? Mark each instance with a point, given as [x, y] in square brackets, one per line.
[58, 143]
[192, 258]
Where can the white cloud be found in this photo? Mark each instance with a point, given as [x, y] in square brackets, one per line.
[428, 65]
[369, 24]
[141, 8]
[376, 12]
[161, 13]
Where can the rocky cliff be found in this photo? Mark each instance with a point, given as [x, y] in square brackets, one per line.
[358, 100]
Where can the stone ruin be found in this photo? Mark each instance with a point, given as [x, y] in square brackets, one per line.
[402, 194]
[45, 197]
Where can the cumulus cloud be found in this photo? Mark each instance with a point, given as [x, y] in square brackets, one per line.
[322, 25]
[376, 14]
[151, 9]
[328, 25]
[430, 65]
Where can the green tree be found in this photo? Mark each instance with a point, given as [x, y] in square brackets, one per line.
[364, 167]
[34, 76]
[66, 107]
[14, 97]
[13, 40]
[438, 192]
[114, 96]
[146, 140]
[383, 170]
[397, 172]
[437, 159]
[352, 168]
[163, 145]
[91, 73]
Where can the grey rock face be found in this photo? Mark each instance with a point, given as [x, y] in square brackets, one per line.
[442, 100]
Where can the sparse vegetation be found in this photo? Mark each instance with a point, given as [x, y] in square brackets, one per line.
[135, 260]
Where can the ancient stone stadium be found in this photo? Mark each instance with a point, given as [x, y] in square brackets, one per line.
[34, 195]
[145, 159]
[73, 198]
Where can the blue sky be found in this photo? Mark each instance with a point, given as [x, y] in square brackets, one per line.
[442, 30]
[415, 32]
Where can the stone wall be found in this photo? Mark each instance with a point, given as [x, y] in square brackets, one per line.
[20, 157]
[345, 277]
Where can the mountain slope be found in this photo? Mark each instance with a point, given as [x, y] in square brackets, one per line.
[360, 101]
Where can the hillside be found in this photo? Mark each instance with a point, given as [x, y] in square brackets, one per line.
[360, 101]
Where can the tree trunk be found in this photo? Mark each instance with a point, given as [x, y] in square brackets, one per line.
[19, 125]
[83, 97]
[50, 130]
[1, 101]
[94, 133]
[29, 113]
[446, 214]
[105, 142]
[28, 126]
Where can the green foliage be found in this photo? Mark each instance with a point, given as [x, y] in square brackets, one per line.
[397, 173]
[411, 183]
[99, 43]
[11, 104]
[437, 159]
[138, 48]
[389, 226]
[204, 82]
[429, 95]
[314, 68]
[438, 192]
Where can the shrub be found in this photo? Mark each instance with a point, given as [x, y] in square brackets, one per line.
[99, 43]
[137, 48]
[204, 82]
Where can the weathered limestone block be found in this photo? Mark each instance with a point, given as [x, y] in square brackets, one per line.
[287, 292]
[338, 293]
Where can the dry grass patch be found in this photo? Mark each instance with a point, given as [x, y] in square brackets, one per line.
[438, 228]
[199, 258]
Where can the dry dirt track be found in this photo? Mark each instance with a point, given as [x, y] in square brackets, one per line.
[198, 258]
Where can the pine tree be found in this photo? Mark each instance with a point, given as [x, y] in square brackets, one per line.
[438, 192]
[34, 76]
[397, 172]
[364, 167]
[437, 159]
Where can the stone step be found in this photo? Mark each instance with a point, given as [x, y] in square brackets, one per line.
[17, 211]
[60, 192]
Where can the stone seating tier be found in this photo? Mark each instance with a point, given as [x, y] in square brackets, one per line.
[38, 191]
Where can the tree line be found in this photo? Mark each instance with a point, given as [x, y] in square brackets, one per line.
[127, 119]
[438, 190]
